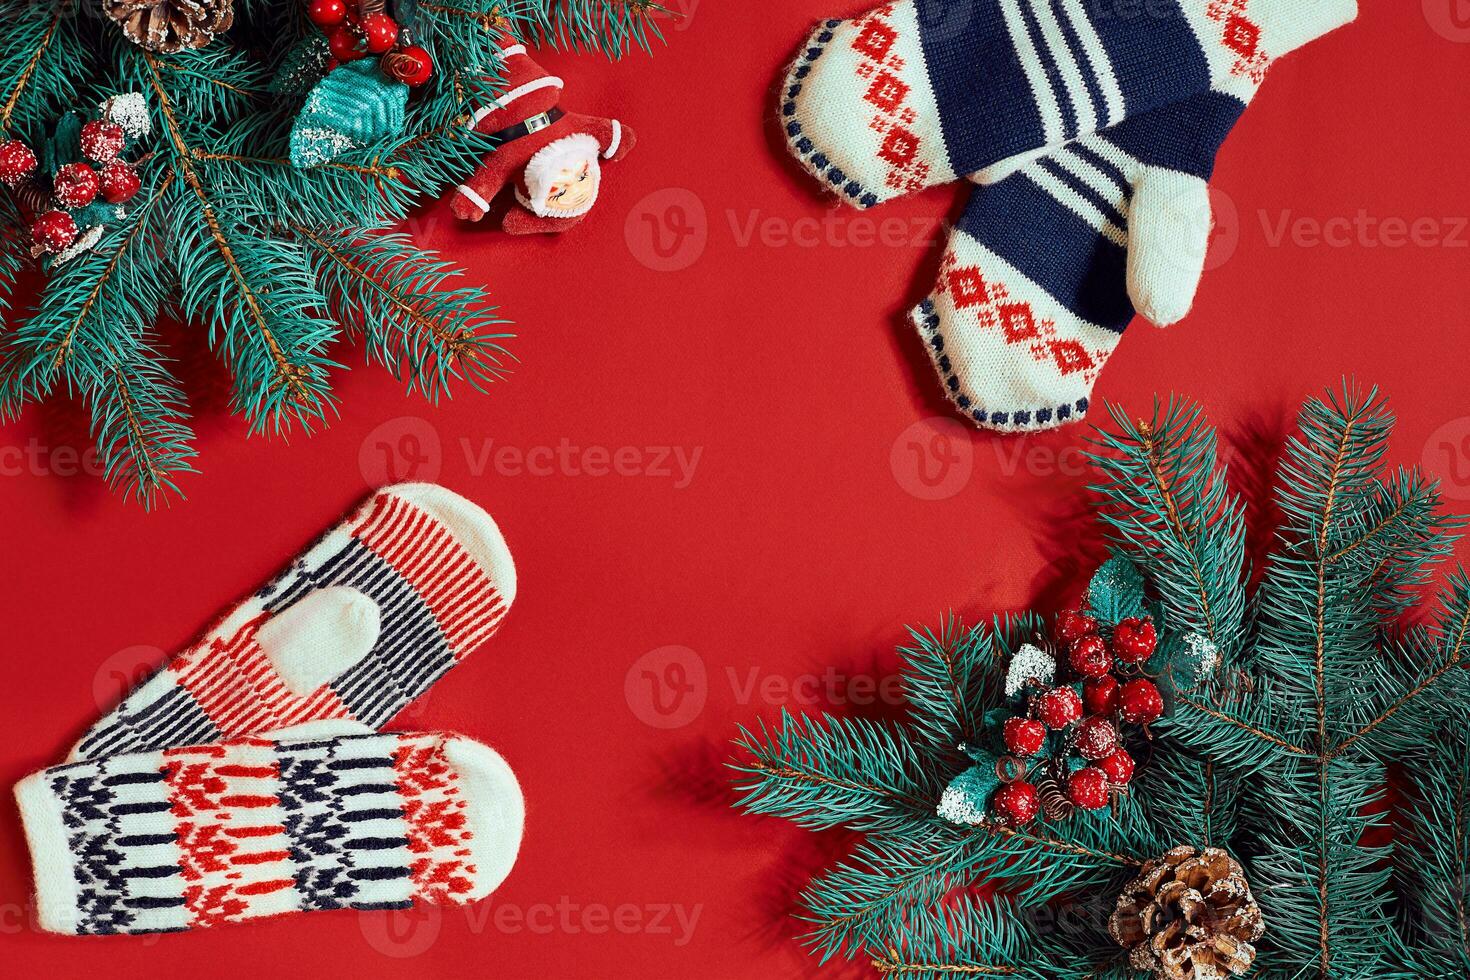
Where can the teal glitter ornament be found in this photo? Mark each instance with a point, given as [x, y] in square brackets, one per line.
[354, 106]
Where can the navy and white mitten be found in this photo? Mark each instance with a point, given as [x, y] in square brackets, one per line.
[924, 92]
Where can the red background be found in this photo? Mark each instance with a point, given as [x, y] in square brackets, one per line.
[802, 541]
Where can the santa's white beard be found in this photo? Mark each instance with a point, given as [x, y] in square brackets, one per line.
[550, 164]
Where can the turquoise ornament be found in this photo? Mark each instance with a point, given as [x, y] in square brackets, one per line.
[355, 106]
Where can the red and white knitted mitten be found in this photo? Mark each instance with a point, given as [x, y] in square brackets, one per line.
[356, 628]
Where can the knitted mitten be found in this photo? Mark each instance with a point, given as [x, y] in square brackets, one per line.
[357, 627]
[1045, 268]
[922, 92]
[167, 840]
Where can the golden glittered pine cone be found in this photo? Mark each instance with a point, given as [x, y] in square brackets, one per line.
[1189, 915]
[166, 26]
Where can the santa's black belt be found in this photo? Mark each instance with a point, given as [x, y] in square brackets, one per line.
[533, 125]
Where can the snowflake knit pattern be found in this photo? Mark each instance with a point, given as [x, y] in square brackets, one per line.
[924, 92]
[427, 569]
[201, 835]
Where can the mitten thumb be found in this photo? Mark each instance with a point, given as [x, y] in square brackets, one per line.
[1169, 227]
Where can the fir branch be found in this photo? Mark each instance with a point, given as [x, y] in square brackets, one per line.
[296, 387]
[37, 51]
[424, 333]
[137, 419]
[836, 772]
[1170, 509]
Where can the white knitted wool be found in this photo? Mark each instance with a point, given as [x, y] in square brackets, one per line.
[322, 816]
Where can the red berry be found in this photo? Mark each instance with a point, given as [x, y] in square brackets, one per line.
[1088, 788]
[345, 45]
[1017, 803]
[1089, 657]
[1073, 625]
[101, 140]
[1058, 708]
[16, 162]
[1100, 695]
[412, 65]
[1139, 702]
[1024, 737]
[1118, 767]
[381, 32]
[54, 231]
[326, 13]
[75, 185]
[1096, 739]
[119, 182]
[1134, 640]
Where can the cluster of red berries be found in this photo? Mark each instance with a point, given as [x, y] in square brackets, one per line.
[74, 185]
[353, 34]
[1111, 697]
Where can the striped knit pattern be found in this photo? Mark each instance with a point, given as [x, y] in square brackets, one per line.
[922, 92]
[1034, 290]
[437, 604]
[197, 836]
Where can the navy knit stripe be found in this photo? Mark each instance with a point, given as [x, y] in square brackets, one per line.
[1184, 137]
[986, 105]
[1080, 269]
[374, 762]
[1084, 190]
[1106, 166]
[1084, 62]
[308, 794]
[382, 873]
[1156, 55]
[133, 778]
[376, 843]
[1053, 70]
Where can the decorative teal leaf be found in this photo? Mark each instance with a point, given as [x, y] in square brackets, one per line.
[352, 107]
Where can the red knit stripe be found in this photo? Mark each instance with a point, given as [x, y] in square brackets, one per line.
[248, 801]
[265, 887]
[433, 810]
[261, 857]
[250, 772]
[242, 833]
[207, 751]
[454, 587]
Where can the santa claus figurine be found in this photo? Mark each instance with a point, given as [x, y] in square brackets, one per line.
[552, 157]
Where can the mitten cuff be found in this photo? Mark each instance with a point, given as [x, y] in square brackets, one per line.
[51, 858]
[1286, 25]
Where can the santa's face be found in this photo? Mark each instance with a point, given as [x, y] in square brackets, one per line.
[572, 189]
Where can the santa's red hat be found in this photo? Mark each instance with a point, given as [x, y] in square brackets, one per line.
[529, 90]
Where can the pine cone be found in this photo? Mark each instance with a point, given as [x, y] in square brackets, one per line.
[166, 26]
[1189, 915]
